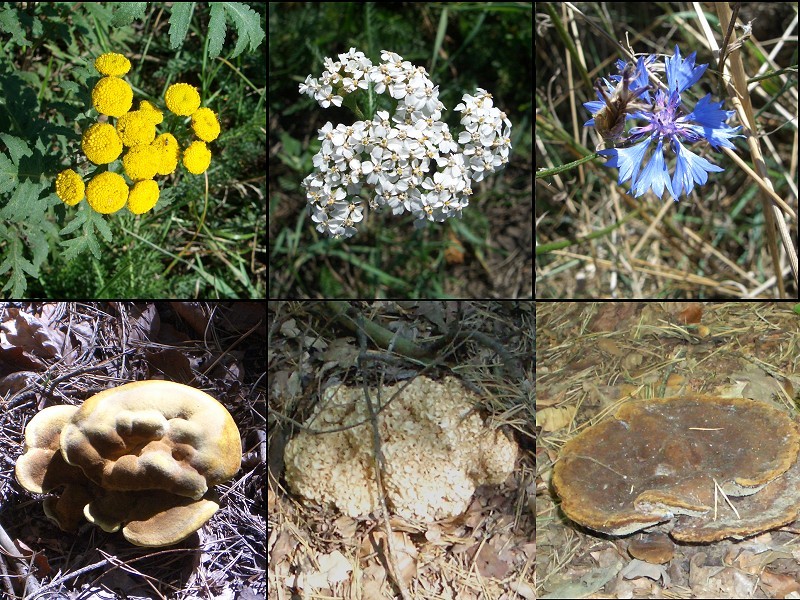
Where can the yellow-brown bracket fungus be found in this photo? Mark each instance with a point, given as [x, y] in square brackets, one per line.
[655, 548]
[695, 458]
[153, 435]
[42, 468]
[437, 449]
[144, 455]
[151, 518]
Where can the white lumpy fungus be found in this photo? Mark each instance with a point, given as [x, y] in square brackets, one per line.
[436, 447]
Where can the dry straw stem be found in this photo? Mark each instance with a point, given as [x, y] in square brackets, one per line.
[741, 100]
[665, 272]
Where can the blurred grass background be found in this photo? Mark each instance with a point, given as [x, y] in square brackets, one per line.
[205, 238]
[463, 46]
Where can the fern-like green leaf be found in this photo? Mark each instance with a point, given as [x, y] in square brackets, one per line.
[179, 22]
[70, 86]
[74, 224]
[24, 204]
[217, 28]
[126, 13]
[17, 147]
[10, 23]
[87, 220]
[18, 266]
[101, 225]
[8, 174]
[248, 27]
[37, 235]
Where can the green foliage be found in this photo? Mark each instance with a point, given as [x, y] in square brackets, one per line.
[246, 21]
[8, 174]
[10, 23]
[179, 22]
[23, 215]
[87, 221]
[17, 265]
[46, 77]
[126, 13]
[247, 24]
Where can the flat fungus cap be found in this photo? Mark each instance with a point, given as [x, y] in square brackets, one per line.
[153, 435]
[41, 468]
[655, 548]
[682, 457]
[151, 518]
[140, 457]
[775, 505]
[436, 448]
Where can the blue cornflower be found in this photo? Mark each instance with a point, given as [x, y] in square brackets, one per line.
[665, 125]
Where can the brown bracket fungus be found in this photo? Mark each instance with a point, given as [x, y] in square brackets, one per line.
[152, 518]
[42, 468]
[711, 467]
[437, 450]
[656, 548]
[140, 457]
[153, 435]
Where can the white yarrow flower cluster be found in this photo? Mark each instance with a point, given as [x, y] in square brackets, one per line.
[408, 161]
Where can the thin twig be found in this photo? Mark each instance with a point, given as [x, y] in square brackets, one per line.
[427, 353]
[724, 495]
[379, 462]
[6, 578]
[66, 577]
[18, 560]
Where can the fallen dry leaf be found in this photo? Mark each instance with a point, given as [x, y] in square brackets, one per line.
[691, 314]
[523, 589]
[333, 568]
[610, 347]
[405, 553]
[554, 418]
[779, 585]
[639, 568]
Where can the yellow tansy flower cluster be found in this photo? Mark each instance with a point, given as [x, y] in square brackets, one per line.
[101, 143]
[70, 187]
[112, 64]
[141, 162]
[107, 192]
[136, 127]
[205, 124]
[147, 154]
[155, 115]
[197, 157]
[143, 196]
[168, 153]
[112, 96]
[182, 99]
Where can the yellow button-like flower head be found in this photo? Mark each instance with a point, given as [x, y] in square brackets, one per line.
[107, 192]
[196, 157]
[151, 111]
[101, 143]
[168, 153]
[70, 187]
[136, 127]
[182, 99]
[205, 124]
[143, 196]
[112, 96]
[141, 162]
[112, 64]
